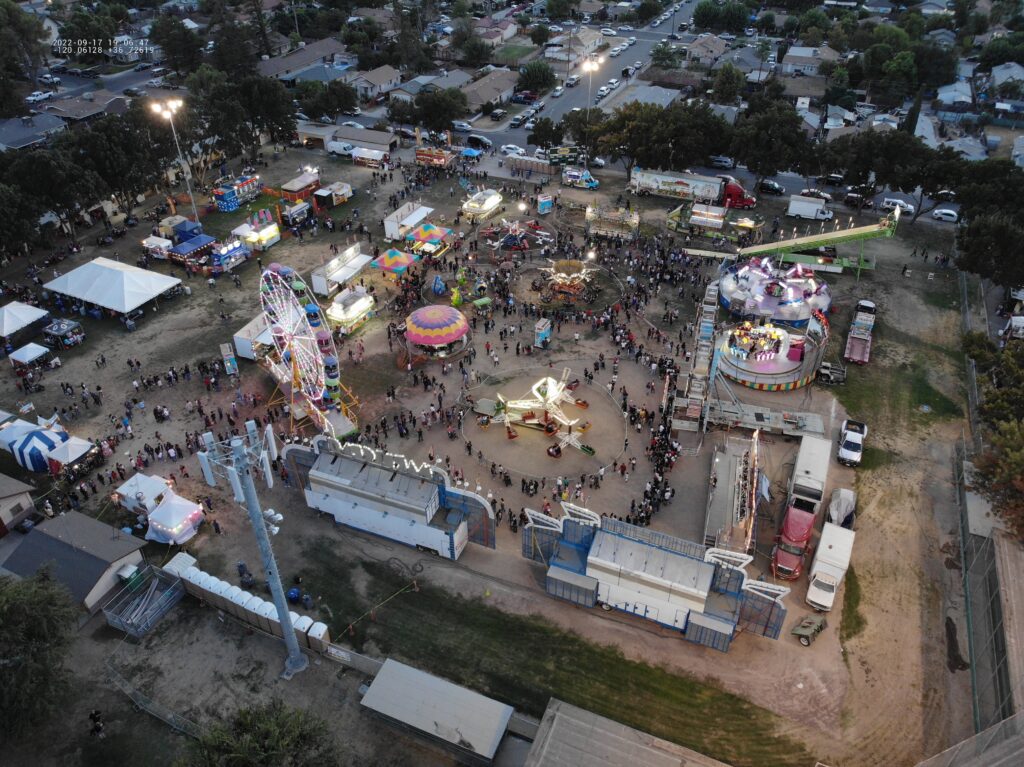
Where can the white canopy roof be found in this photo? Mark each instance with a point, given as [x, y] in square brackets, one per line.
[175, 520]
[112, 285]
[16, 315]
[13, 431]
[369, 154]
[350, 269]
[28, 353]
[142, 491]
[68, 452]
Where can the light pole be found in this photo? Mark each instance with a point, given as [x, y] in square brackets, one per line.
[590, 66]
[166, 109]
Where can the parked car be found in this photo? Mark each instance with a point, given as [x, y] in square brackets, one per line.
[945, 214]
[945, 195]
[603, 91]
[142, 66]
[134, 92]
[461, 126]
[597, 162]
[625, 28]
[49, 79]
[851, 442]
[771, 187]
[637, 65]
[857, 200]
[479, 142]
[58, 69]
[613, 84]
[37, 96]
[631, 41]
[721, 161]
[516, 121]
[511, 149]
[557, 92]
[155, 82]
[607, 32]
[572, 81]
[499, 114]
[816, 193]
[538, 106]
[891, 203]
[831, 179]
[352, 124]
[615, 52]
[530, 124]
[354, 112]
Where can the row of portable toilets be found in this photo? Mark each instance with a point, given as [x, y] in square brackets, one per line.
[247, 607]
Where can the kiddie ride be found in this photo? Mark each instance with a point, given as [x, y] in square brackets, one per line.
[516, 235]
[568, 281]
[542, 410]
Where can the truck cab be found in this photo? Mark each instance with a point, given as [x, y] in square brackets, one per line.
[735, 196]
[579, 177]
[791, 543]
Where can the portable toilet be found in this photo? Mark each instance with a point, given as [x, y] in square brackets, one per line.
[301, 626]
[230, 595]
[202, 584]
[319, 637]
[238, 600]
[268, 618]
[179, 563]
[218, 589]
[189, 579]
[249, 610]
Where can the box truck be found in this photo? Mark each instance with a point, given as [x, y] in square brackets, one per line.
[831, 561]
[810, 474]
[808, 207]
[690, 186]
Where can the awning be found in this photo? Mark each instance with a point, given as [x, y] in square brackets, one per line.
[350, 269]
[468, 152]
[17, 315]
[29, 353]
[369, 154]
[191, 246]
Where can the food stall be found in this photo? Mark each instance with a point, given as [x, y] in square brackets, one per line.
[193, 253]
[369, 158]
[73, 457]
[167, 225]
[482, 205]
[225, 256]
[187, 230]
[17, 316]
[254, 341]
[333, 195]
[157, 247]
[259, 231]
[296, 213]
[339, 270]
[350, 309]
[28, 357]
[434, 158]
[63, 334]
[232, 195]
[429, 241]
[301, 187]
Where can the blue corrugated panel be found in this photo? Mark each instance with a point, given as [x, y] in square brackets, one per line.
[654, 538]
[571, 587]
[707, 637]
[761, 616]
[539, 544]
[570, 557]
[727, 580]
[577, 533]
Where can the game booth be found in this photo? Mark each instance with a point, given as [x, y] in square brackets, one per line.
[482, 205]
[434, 158]
[345, 266]
[63, 334]
[296, 214]
[394, 262]
[349, 310]
[232, 195]
[429, 241]
[259, 231]
[175, 520]
[789, 296]
[436, 331]
[369, 158]
[301, 187]
[157, 247]
[333, 195]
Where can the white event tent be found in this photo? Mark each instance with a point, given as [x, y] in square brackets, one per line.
[17, 315]
[112, 285]
[175, 520]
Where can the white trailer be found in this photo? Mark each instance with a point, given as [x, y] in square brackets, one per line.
[687, 186]
[831, 561]
[404, 219]
[810, 474]
[808, 207]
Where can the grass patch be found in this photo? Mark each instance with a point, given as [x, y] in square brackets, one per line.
[526, 660]
[853, 620]
[923, 394]
[219, 224]
[942, 293]
[876, 458]
[906, 389]
[512, 53]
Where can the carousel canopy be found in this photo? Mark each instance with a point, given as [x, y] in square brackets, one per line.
[428, 233]
[28, 353]
[435, 325]
[175, 520]
[17, 315]
[33, 449]
[70, 451]
[112, 285]
[395, 261]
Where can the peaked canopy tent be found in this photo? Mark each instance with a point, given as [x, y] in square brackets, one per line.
[69, 453]
[142, 492]
[16, 316]
[32, 451]
[112, 285]
[175, 520]
[29, 353]
[14, 430]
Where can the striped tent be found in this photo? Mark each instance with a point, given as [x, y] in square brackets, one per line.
[33, 449]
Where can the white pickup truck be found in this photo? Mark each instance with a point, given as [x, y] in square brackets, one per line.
[851, 442]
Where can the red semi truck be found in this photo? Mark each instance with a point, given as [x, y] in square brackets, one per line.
[791, 543]
[690, 186]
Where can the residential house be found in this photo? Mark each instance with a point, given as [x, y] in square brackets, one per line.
[376, 82]
[80, 110]
[1004, 74]
[956, 94]
[933, 8]
[807, 60]
[880, 7]
[125, 49]
[812, 87]
[944, 38]
[89, 557]
[965, 69]
[15, 502]
[744, 59]
[706, 49]
[492, 37]
[927, 131]
[993, 33]
[455, 78]
[574, 47]
[650, 94]
[287, 65]
[590, 6]
[728, 113]
[971, 148]
[29, 131]
[382, 17]
[1017, 154]
[340, 69]
[810, 122]
[486, 27]
[495, 87]
[408, 90]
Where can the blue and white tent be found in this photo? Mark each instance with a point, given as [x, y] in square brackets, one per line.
[33, 449]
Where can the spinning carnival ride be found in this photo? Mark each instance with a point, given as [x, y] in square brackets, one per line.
[305, 362]
[786, 295]
[517, 235]
[568, 280]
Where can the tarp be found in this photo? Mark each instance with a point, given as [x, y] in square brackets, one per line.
[112, 285]
[33, 449]
[175, 520]
[17, 315]
[28, 353]
[70, 451]
[191, 246]
[470, 152]
[142, 492]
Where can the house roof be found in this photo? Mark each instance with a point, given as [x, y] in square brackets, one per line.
[708, 44]
[727, 113]
[804, 86]
[1006, 73]
[81, 548]
[300, 58]
[651, 94]
[381, 75]
[9, 486]
[801, 54]
[20, 132]
[491, 86]
[416, 84]
[88, 105]
[364, 136]
[955, 93]
[942, 36]
[969, 147]
[456, 78]
[877, 6]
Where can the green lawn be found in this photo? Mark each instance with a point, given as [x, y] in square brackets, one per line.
[524, 661]
[511, 54]
[219, 224]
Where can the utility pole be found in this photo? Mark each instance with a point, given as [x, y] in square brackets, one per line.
[235, 459]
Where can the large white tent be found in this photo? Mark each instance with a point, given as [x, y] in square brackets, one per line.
[142, 492]
[66, 453]
[112, 285]
[174, 520]
[17, 315]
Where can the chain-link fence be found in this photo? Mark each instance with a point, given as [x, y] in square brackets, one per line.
[997, 746]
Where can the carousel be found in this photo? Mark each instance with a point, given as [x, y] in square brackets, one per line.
[567, 280]
[757, 288]
[436, 331]
[768, 357]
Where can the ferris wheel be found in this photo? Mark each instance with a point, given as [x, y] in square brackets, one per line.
[306, 363]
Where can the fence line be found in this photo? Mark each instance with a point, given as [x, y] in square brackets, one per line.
[155, 708]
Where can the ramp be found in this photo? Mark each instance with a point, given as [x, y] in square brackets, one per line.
[884, 228]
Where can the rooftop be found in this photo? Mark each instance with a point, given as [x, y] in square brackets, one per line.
[300, 58]
[9, 486]
[21, 132]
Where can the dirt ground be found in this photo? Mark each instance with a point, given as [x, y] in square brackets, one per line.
[886, 698]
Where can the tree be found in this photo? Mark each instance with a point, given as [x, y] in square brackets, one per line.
[899, 76]
[989, 245]
[37, 622]
[561, 9]
[18, 224]
[255, 8]
[268, 735]
[537, 76]
[540, 34]
[1000, 473]
[815, 18]
[629, 134]
[733, 17]
[58, 183]
[240, 114]
[663, 57]
[331, 99]
[766, 22]
[476, 52]
[22, 50]
[648, 10]
[402, 111]
[729, 84]
[705, 15]
[546, 133]
[80, 31]
[233, 49]
[769, 140]
[437, 109]
[584, 126]
[182, 47]
[935, 65]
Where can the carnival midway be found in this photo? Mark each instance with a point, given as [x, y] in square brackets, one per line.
[545, 385]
